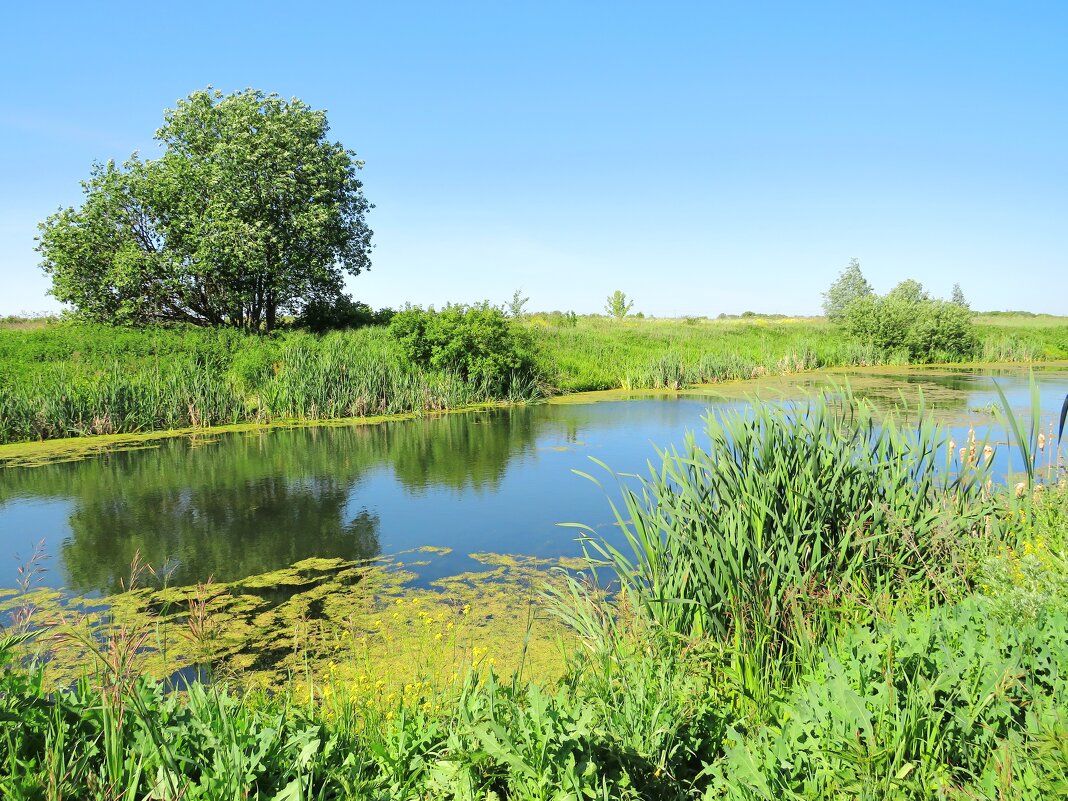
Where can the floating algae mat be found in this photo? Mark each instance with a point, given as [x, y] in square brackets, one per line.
[317, 623]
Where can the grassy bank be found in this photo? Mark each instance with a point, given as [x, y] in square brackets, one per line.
[600, 353]
[64, 381]
[59, 380]
[810, 607]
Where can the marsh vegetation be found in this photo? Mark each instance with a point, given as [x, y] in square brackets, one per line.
[807, 605]
[62, 380]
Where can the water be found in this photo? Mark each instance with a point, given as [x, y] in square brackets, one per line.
[235, 505]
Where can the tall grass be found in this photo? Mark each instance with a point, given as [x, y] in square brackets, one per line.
[597, 353]
[782, 512]
[64, 380]
[84, 380]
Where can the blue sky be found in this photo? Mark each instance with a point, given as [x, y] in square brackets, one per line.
[704, 158]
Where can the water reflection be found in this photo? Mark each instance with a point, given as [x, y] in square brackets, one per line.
[240, 505]
[497, 480]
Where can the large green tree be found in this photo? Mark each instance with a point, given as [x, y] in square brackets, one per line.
[250, 211]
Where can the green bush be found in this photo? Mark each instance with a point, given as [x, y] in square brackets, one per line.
[477, 342]
[906, 319]
[952, 703]
[333, 314]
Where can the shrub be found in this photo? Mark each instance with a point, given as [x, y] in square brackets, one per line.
[907, 319]
[332, 314]
[477, 342]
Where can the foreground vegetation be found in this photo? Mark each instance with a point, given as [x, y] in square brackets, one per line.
[65, 380]
[810, 607]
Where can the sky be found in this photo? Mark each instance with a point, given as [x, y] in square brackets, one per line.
[703, 158]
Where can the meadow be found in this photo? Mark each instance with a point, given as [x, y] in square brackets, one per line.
[809, 606]
[62, 380]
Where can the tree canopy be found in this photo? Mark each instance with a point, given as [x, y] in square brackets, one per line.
[249, 212]
[909, 320]
[851, 285]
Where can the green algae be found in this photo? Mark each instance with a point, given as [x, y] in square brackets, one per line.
[318, 617]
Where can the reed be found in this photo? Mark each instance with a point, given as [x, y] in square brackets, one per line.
[781, 513]
[156, 380]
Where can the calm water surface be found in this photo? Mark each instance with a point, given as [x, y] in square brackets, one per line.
[500, 481]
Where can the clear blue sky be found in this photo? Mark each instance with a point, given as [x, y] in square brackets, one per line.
[702, 157]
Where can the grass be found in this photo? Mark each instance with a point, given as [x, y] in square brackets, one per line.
[88, 380]
[599, 353]
[811, 607]
[59, 380]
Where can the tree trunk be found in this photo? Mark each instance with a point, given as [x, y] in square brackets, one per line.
[272, 313]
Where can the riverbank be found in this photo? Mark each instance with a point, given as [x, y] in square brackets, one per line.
[881, 383]
[60, 381]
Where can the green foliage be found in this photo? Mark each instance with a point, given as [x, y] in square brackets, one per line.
[848, 288]
[516, 304]
[783, 510]
[1027, 578]
[250, 211]
[476, 342]
[951, 703]
[907, 319]
[617, 305]
[340, 312]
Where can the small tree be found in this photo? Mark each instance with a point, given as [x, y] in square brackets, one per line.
[516, 304]
[850, 286]
[617, 305]
[958, 297]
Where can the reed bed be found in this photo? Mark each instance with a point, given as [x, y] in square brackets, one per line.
[597, 353]
[157, 380]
